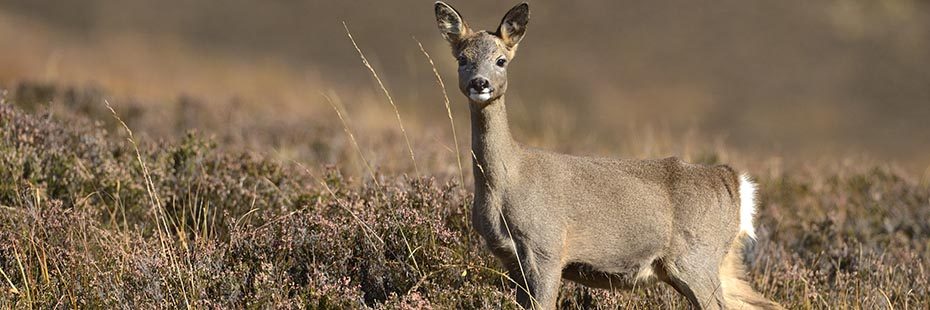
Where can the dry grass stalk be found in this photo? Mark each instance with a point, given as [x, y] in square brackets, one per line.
[371, 171]
[387, 94]
[445, 95]
[368, 231]
[358, 149]
[526, 284]
[160, 214]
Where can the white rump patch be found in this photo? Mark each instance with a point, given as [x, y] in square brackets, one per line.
[645, 274]
[747, 205]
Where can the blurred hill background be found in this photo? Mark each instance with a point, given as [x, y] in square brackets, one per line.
[794, 80]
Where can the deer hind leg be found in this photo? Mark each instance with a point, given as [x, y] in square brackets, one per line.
[696, 279]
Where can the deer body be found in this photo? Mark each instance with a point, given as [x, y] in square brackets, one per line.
[601, 222]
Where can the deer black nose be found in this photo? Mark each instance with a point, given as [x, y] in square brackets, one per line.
[479, 84]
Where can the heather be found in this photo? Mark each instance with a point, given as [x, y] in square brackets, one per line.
[91, 219]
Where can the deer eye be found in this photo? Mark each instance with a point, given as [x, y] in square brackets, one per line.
[462, 60]
[501, 62]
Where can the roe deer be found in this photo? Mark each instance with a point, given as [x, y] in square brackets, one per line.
[600, 222]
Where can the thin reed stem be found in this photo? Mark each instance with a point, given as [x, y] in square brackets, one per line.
[160, 213]
[358, 149]
[345, 127]
[387, 94]
[516, 252]
[368, 231]
[445, 95]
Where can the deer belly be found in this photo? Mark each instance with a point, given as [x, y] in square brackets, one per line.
[617, 277]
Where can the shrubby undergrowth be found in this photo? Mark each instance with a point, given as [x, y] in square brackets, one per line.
[82, 224]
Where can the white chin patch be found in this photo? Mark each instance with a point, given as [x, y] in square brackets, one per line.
[480, 97]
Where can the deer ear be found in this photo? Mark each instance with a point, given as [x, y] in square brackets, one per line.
[451, 24]
[513, 26]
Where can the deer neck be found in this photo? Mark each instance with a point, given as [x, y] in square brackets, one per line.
[495, 151]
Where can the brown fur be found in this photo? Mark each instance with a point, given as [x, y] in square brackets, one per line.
[600, 222]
